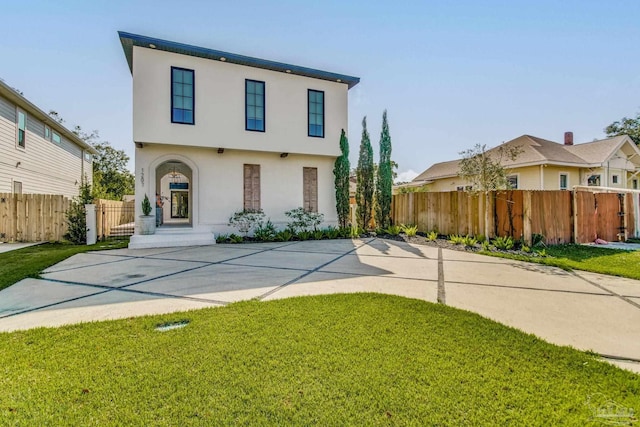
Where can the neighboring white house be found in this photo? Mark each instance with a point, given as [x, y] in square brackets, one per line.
[217, 132]
[37, 154]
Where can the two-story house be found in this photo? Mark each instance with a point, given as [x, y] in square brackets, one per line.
[546, 165]
[38, 154]
[217, 132]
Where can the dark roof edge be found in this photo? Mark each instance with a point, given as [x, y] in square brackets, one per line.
[129, 40]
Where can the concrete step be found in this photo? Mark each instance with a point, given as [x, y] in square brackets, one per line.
[169, 238]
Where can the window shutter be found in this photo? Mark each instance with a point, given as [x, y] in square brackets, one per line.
[252, 187]
[310, 189]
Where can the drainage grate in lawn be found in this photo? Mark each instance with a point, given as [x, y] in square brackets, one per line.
[170, 326]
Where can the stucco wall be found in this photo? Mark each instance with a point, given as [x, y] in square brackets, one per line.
[217, 187]
[220, 106]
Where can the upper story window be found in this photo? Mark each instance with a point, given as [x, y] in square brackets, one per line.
[316, 113]
[512, 182]
[614, 179]
[47, 133]
[254, 105]
[55, 137]
[593, 181]
[22, 128]
[182, 96]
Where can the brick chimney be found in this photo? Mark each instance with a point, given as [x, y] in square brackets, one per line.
[568, 138]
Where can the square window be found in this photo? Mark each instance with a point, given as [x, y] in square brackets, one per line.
[56, 138]
[593, 181]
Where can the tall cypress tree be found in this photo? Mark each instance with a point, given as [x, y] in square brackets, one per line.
[341, 174]
[364, 174]
[384, 181]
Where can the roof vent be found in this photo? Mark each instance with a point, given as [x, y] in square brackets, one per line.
[568, 138]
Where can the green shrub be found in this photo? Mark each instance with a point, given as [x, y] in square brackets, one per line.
[302, 220]
[318, 235]
[469, 241]
[304, 235]
[246, 220]
[505, 243]
[393, 230]
[432, 236]
[481, 238]
[331, 232]
[541, 252]
[538, 240]
[76, 215]
[234, 238]
[356, 232]
[526, 249]
[222, 238]
[409, 230]
[486, 246]
[455, 239]
[345, 232]
[283, 236]
[265, 232]
[146, 206]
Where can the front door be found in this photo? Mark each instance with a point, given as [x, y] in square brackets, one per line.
[179, 204]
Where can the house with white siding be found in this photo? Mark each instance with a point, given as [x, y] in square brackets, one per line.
[217, 132]
[38, 154]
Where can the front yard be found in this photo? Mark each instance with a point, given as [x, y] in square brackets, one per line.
[360, 359]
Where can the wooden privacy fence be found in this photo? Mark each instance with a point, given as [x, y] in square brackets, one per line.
[32, 217]
[559, 216]
[114, 218]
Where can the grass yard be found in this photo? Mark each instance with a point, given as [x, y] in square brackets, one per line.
[29, 262]
[614, 262]
[362, 359]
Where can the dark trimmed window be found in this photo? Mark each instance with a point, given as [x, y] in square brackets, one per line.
[22, 128]
[593, 181]
[254, 105]
[182, 96]
[316, 113]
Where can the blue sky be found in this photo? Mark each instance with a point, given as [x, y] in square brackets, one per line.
[450, 74]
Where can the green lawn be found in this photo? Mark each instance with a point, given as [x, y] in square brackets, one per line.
[29, 262]
[363, 359]
[614, 262]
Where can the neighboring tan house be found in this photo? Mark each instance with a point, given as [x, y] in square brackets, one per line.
[548, 165]
[37, 154]
[217, 132]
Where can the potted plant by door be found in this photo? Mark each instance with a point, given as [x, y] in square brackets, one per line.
[147, 221]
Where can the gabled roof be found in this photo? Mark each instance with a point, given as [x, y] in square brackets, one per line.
[538, 151]
[129, 40]
[9, 93]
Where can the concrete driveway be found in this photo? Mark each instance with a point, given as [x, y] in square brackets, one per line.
[584, 310]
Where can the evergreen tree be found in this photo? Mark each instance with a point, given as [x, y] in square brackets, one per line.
[384, 178]
[77, 214]
[341, 174]
[364, 174]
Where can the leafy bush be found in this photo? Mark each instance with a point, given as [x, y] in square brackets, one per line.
[455, 239]
[302, 220]
[481, 238]
[526, 249]
[234, 238]
[77, 215]
[304, 235]
[345, 232]
[265, 232]
[469, 241]
[393, 230]
[538, 240]
[318, 234]
[409, 230]
[356, 232]
[486, 246]
[222, 238]
[541, 252]
[331, 232]
[432, 236]
[284, 236]
[505, 243]
[146, 206]
[247, 219]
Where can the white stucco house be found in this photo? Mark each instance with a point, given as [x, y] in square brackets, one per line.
[217, 132]
[37, 154]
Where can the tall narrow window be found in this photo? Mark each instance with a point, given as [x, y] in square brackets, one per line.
[316, 113]
[182, 96]
[22, 126]
[47, 133]
[254, 105]
[634, 184]
[310, 188]
[564, 181]
[251, 187]
[512, 182]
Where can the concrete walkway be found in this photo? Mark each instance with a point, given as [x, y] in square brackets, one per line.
[584, 310]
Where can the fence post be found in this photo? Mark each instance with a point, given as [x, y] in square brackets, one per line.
[91, 224]
[526, 217]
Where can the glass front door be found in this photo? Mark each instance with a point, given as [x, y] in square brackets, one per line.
[179, 204]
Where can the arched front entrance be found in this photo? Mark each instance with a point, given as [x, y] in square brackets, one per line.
[174, 194]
